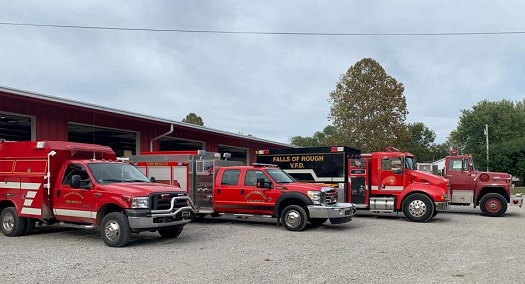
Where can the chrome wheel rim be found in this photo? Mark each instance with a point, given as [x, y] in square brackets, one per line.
[417, 208]
[112, 230]
[8, 222]
[293, 219]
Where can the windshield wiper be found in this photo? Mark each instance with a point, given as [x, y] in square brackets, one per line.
[136, 180]
[110, 180]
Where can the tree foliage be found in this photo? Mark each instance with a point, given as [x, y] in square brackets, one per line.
[193, 119]
[324, 138]
[506, 122]
[368, 108]
[422, 140]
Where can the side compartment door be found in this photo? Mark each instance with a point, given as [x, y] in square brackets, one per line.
[226, 194]
[72, 203]
[359, 190]
[392, 176]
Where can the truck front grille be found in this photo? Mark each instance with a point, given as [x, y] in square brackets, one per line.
[330, 197]
[161, 201]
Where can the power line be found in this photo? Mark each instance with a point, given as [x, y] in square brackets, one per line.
[259, 32]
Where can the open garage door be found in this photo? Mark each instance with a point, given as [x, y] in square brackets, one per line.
[124, 143]
[237, 154]
[175, 144]
[16, 128]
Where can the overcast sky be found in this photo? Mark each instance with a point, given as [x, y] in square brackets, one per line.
[270, 86]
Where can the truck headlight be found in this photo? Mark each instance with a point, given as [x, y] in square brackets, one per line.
[140, 202]
[315, 196]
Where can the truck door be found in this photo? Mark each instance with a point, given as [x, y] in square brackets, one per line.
[257, 200]
[74, 204]
[392, 175]
[227, 193]
[458, 174]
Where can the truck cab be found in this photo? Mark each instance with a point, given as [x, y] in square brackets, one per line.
[491, 191]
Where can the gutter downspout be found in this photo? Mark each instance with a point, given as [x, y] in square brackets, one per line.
[158, 137]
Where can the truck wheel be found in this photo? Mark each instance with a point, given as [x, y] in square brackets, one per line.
[115, 229]
[418, 207]
[12, 224]
[317, 221]
[493, 205]
[171, 232]
[30, 226]
[294, 218]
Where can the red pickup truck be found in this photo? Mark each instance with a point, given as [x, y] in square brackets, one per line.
[223, 187]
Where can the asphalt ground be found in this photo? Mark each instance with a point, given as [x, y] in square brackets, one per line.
[460, 246]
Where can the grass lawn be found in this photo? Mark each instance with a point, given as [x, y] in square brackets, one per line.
[520, 189]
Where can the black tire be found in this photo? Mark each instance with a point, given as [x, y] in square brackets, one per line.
[317, 221]
[418, 207]
[435, 213]
[30, 226]
[294, 218]
[115, 229]
[493, 205]
[171, 233]
[12, 225]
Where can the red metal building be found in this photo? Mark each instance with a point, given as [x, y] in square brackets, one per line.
[31, 116]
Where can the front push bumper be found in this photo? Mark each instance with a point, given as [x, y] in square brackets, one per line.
[516, 200]
[145, 219]
[442, 206]
[338, 213]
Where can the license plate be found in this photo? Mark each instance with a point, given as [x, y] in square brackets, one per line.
[185, 214]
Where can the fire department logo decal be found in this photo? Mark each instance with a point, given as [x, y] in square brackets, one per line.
[389, 180]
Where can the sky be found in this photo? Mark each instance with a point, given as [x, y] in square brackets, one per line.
[271, 86]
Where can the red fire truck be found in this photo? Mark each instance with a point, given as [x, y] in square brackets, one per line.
[471, 187]
[84, 186]
[379, 182]
[221, 187]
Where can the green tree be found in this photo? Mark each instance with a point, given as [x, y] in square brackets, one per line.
[505, 120]
[324, 138]
[193, 119]
[368, 108]
[422, 140]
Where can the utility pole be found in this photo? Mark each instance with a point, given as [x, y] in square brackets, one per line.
[486, 132]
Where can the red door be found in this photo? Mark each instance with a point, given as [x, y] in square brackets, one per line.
[392, 176]
[74, 204]
[226, 194]
[458, 175]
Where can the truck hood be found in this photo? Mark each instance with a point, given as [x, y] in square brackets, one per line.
[423, 177]
[139, 188]
[301, 186]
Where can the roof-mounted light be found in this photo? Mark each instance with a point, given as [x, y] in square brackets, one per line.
[40, 144]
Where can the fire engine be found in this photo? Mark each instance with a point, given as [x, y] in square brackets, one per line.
[221, 187]
[378, 182]
[84, 186]
[491, 191]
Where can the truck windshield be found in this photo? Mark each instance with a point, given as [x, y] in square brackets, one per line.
[116, 172]
[409, 163]
[280, 176]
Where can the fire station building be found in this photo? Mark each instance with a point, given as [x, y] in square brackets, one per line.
[31, 116]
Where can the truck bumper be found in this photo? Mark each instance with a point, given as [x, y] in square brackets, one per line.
[442, 206]
[144, 219]
[517, 200]
[338, 213]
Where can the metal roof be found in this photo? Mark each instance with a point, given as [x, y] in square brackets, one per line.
[131, 114]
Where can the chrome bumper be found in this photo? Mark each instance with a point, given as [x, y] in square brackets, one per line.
[442, 206]
[154, 219]
[337, 213]
[517, 200]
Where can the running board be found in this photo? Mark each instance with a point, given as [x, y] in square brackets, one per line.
[77, 226]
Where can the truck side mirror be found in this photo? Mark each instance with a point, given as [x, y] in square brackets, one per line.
[261, 183]
[75, 181]
[464, 165]
[152, 179]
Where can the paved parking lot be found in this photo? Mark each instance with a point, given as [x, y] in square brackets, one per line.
[457, 247]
